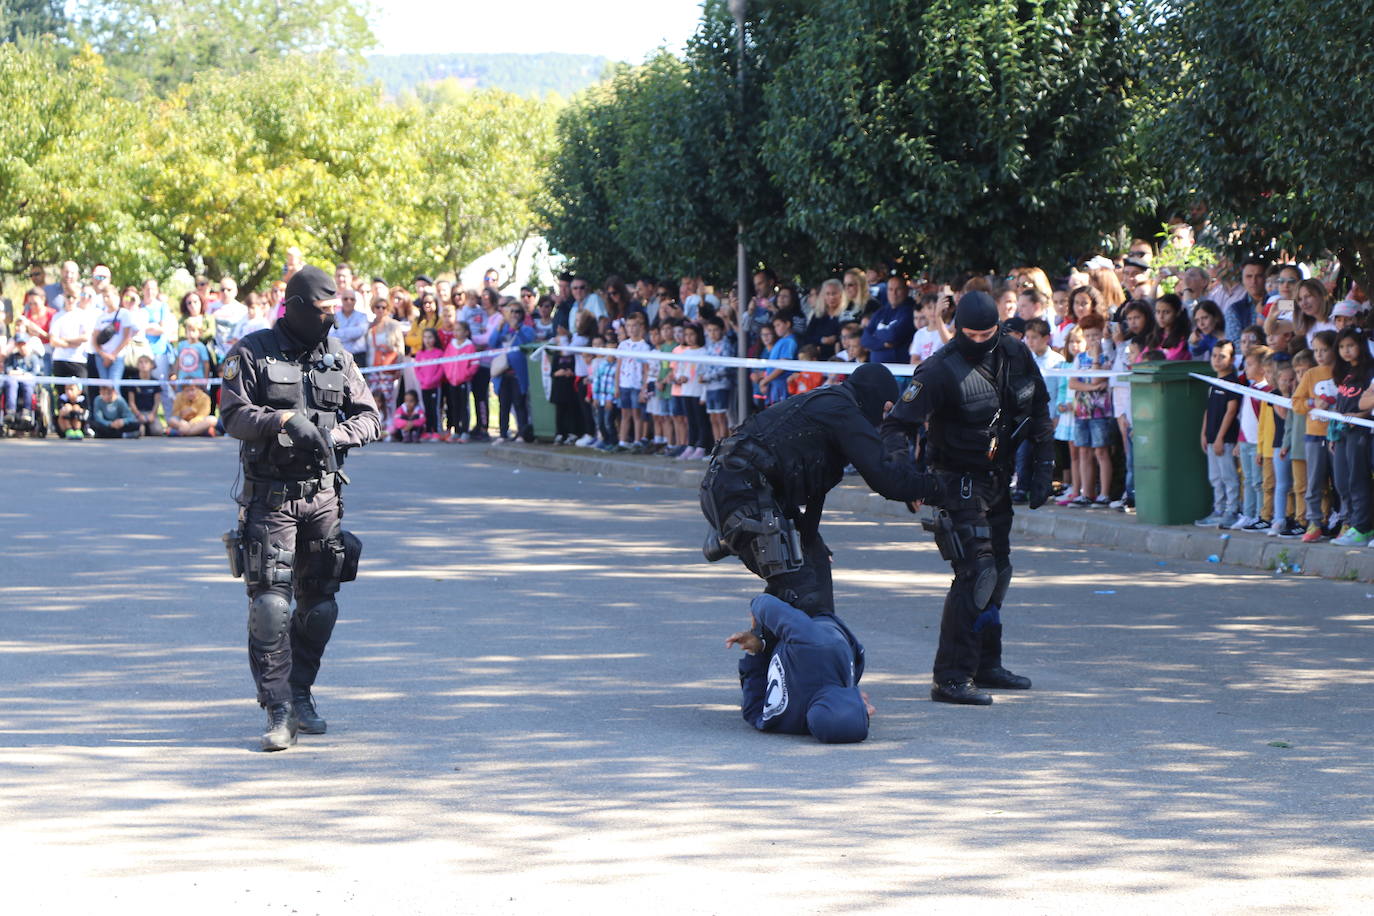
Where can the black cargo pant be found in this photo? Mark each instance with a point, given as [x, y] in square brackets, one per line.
[732, 486]
[292, 547]
[979, 504]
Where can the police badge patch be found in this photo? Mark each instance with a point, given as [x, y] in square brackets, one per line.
[912, 390]
[231, 369]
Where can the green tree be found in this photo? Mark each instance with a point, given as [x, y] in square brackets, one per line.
[478, 171]
[977, 133]
[236, 169]
[64, 171]
[31, 18]
[165, 43]
[1267, 128]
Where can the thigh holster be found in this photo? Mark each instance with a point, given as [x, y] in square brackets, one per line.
[264, 564]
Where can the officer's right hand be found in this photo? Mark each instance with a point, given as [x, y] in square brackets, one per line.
[936, 495]
[305, 435]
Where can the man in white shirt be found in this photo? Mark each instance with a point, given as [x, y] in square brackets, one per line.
[228, 313]
[350, 325]
[70, 337]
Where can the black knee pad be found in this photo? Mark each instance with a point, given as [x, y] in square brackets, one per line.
[981, 573]
[999, 593]
[316, 621]
[268, 616]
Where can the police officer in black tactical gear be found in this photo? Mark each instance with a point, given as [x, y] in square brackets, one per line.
[978, 398]
[297, 402]
[765, 487]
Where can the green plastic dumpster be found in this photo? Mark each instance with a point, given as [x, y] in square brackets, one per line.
[1167, 404]
[541, 411]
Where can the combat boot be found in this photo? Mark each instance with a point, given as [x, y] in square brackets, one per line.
[281, 727]
[959, 691]
[1000, 678]
[307, 717]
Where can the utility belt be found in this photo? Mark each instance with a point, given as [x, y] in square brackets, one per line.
[276, 492]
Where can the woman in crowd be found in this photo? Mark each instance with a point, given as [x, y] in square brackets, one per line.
[114, 330]
[857, 301]
[1313, 313]
[823, 327]
[193, 306]
[385, 345]
[1208, 324]
[1108, 286]
[485, 325]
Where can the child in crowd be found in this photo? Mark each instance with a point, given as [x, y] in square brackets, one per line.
[143, 400]
[1063, 320]
[718, 379]
[633, 382]
[660, 404]
[111, 416]
[1092, 420]
[457, 375]
[802, 382]
[1353, 371]
[774, 381]
[760, 390]
[929, 337]
[72, 413]
[1220, 431]
[24, 362]
[604, 395]
[192, 360]
[1207, 326]
[675, 414]
[1294, 440]
[191, 413]
[408, 422]
[1037, 339]
[1287, 501]
[1316, 391]
[563, 391]
[430, 380]
[1247, 446]
[699, 439]
[1063, 406]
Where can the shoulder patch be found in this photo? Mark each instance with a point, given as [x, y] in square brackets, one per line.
[231, 368]
[912, 390]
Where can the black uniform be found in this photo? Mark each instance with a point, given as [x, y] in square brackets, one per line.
[765, 488]
[289, 540]
[976, 409]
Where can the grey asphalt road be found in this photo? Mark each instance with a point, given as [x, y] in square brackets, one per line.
[531, 710]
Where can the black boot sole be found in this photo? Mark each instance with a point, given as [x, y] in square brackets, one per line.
[1000, 685]
[937, 696]
[312, 729]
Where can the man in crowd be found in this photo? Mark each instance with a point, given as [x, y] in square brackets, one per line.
[350, 325]
[887, 336]
[297, 401]
[228, 313]
[978, 397]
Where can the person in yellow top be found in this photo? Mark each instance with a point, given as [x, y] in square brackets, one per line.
[1317, 391]
[1264, 444]
[191, 413]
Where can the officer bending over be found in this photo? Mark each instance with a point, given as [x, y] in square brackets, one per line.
[764, 490]
[297, 402]
[800, 674]
[979, 397]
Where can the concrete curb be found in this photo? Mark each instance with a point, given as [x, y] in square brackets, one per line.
[1068, 526]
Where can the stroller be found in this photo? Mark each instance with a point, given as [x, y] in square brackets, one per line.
[29, 418]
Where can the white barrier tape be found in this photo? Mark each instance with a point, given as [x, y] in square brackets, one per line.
[460, 358]
[1281, 401]
[824, 367]
[1082, 373]
[97, 382]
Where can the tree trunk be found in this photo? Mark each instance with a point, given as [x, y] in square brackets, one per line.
[259, 273]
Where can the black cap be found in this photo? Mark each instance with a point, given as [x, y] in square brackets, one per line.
[1015, 324]
[421, 278]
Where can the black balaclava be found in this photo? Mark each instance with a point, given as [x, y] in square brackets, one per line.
[873, 386]
[305, 322]
[976, 312]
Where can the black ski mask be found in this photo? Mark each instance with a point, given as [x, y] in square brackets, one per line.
[305, 322]
[976, 312]
[873, 387]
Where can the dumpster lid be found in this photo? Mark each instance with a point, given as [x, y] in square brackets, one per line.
[1168, 371]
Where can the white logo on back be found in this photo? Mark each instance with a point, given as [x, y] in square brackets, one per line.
[775, 702]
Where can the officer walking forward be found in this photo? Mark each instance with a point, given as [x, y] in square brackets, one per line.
[297, 402]
[978, 397]
[765, 487]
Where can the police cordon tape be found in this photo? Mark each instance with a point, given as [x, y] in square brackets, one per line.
[1279, 400]
[826, 367]
[96, 382]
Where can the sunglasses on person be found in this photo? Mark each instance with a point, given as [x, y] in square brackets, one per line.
[527, 295]
[98, 277]
[579, 286]
[1288, 279]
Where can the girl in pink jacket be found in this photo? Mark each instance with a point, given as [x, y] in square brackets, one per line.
[456, 378]
[431, 380]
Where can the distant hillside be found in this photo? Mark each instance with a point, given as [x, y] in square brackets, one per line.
[531, 75]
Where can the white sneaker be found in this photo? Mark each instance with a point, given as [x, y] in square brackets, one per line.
[1118, 503]
[1242, 522]
[1274, 529]
[585, 441]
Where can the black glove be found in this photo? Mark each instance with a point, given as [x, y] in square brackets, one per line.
[1042, 482]
[307, 437]
[936, 492]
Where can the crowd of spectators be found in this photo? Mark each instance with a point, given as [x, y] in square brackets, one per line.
[1271, 326]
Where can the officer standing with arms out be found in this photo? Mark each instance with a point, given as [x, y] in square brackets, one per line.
[297, 402]
[978, 397]
[764, 490]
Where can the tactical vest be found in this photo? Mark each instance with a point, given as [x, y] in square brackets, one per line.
[312, 383]
[993, 406]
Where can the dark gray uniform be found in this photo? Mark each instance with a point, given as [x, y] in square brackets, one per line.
[975, 414]
[289, 538]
